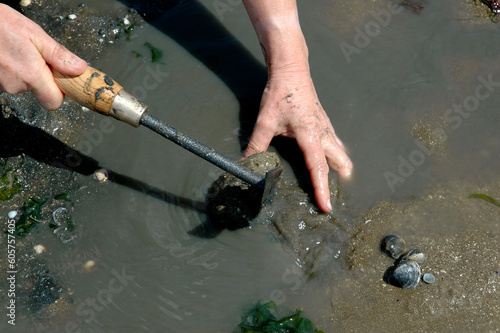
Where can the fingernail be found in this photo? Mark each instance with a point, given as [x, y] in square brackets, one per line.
[77, 62]
[329, 205]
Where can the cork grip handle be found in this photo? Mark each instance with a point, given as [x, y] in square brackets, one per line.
[92, 89]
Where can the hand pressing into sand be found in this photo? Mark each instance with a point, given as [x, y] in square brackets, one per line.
[26, 52]
[290, 106]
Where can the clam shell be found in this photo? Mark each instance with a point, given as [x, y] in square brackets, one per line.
[406, 274]
[393, 245]
[39, 249]
[415, 254]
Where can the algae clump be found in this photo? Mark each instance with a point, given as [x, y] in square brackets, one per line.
[9, 185]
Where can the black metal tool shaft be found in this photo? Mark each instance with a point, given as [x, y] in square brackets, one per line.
[202, 151]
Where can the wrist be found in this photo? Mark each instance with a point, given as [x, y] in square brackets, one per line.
[280, 36]
[285, 50]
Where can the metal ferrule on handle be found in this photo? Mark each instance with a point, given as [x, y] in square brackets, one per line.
[127, 108]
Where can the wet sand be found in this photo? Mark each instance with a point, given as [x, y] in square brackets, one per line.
[394, 105]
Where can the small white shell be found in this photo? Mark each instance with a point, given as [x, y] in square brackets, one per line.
[72, 16]
[25, 3]
[89, 265]
[101, 175]
[429, 278]
[12, 214]
[39, 249]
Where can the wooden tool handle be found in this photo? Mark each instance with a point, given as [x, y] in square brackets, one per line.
[98, 92]
[92, 89]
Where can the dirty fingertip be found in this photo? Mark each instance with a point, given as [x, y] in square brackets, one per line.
[345, 172]
[325, 206]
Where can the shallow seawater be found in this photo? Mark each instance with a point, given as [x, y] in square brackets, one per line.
[151, 274]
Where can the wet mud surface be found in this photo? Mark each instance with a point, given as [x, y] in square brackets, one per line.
[42, 156]
[292, 213]
[305, 232]
[464, 258]
[46, 154]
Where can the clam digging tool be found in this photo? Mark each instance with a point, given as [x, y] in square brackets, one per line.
[98, 92]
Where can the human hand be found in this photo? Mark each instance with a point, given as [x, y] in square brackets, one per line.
[290, 108]
[290, 105]
[26, 52]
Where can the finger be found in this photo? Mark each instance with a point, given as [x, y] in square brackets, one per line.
[59, 57]
[318, 169]
[339, 142]
[259, 140]
[46, 90]
[338, 160]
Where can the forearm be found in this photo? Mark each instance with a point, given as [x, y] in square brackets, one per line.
[278, 29]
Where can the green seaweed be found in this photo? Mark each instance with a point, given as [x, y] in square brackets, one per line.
[62, 196]
[70, 224]
[485, 197]
[262, 318]
[30, 218]
[156, 54]
[127, 30]
[9, 185]
[137, 54]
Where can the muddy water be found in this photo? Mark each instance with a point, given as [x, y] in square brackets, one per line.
[388, 95]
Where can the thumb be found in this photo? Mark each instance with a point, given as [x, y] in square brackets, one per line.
[59, 57]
